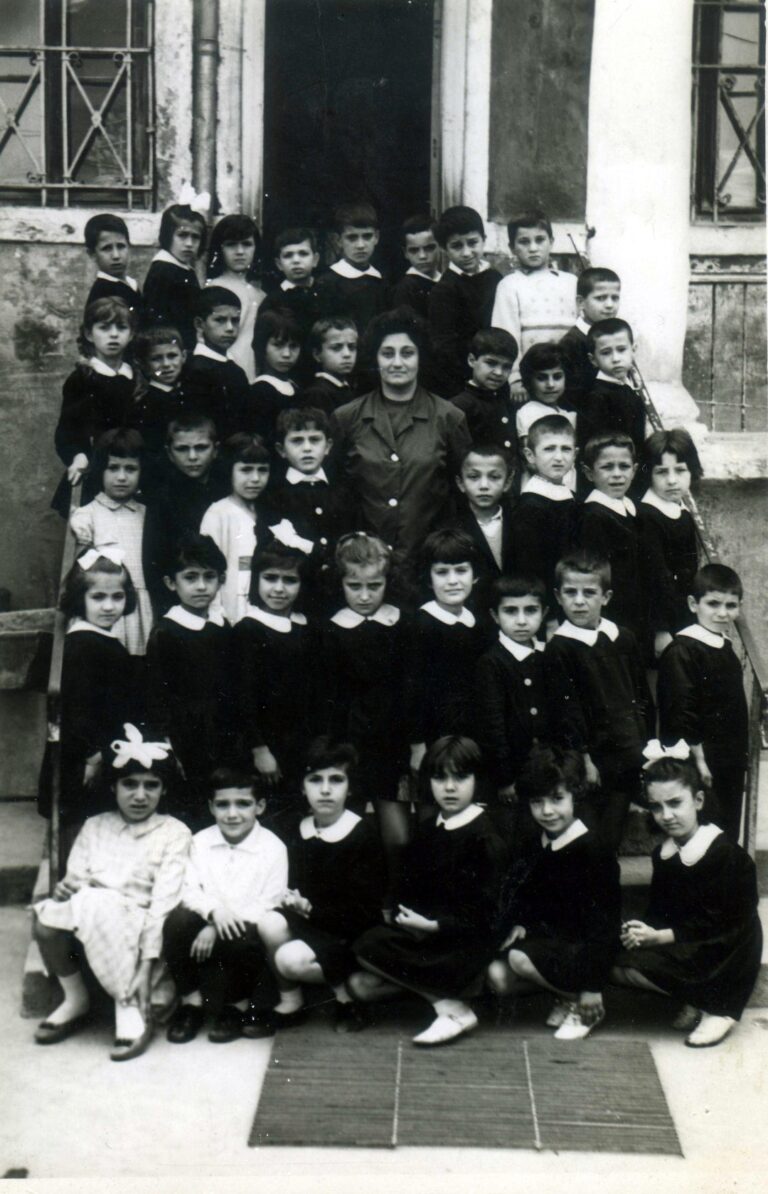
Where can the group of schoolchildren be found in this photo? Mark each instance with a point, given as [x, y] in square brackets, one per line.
[382, 772]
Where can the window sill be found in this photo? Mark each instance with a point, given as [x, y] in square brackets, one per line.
[734, 455]
[64, 225]
[738, 240]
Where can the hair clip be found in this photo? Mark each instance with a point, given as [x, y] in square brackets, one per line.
[133, 749]
[189, 197]
[654, 751]
[110, 551]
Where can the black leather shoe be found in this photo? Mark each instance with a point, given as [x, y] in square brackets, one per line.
[350, 1017]
[259, 1023]
[50, 1034]
[184, 1024]
[227, 1026]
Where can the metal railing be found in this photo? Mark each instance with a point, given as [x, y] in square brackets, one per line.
[752, 660]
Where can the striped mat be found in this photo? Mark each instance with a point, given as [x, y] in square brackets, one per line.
[491, 1090]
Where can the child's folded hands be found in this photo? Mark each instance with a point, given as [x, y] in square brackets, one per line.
[296, 902]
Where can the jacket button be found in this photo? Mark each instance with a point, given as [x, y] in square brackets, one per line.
[394, 457]
[392, 502]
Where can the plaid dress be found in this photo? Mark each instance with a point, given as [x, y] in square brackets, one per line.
[128, 878]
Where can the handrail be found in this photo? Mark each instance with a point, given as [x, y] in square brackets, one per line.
[53, 703]
[758, 697]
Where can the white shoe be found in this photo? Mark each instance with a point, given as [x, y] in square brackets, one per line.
[573, 1027]
[447, 1028]
[711, 1031]
[686, 1019]
[559, 1010]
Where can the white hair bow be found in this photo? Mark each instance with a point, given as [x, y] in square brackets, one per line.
[133, 749]
[109, 551]
[285, 533]
[655, 751]
[200, 203]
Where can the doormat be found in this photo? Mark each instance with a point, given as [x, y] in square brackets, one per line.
[490, 1090]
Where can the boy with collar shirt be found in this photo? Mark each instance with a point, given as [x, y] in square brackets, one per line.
[296, 257]
[109, 245]
[612, 404]
[353, 286]
[462, 301]
[333, 344]
[485, 477]
[544, 525]
[421, 250]
[485, 400]
[537, 302]
[217, 386]
[701, 692]
[597, 690]
[598, 295]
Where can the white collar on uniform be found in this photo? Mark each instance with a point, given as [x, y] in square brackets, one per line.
[287, 284]
[281, 384]
[345, 270]
[575, 830]
[169, 259]
[517, 650]
[249, 844]
[669, 509]
[105, 371]
[81, 624]
[582, 324]
[482, 267]
[294, 477]
[111, 504]
[386, 615]
[412, 272]
[111, 278]
[329, 377]
[604, 377]
[702, 635]
[466, 617]
[183, 617]
[547, 489]
[202, 350]
[158, 385]
[465, 817]
[497, 517]
[329, 833]
[280, 622]
[583, 635]
[695, 848]
[622, 506]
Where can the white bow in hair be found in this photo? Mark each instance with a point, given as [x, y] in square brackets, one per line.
[200, 203]
[655, 751]
[110, 551]
[285, 533]
[135, 749]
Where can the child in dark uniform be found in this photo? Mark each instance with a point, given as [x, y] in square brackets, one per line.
[333, 343]
[353, 286]
[668, 543]
[485, 400]
[563, 912]
[336, 879]
[216, 386]
[701, 693]
[421, 250]
[296, 257]
[700, 940]
[598, 295]
[612, 404]
[108, 243]
[171, 286]
[276, 347]
[443, 931]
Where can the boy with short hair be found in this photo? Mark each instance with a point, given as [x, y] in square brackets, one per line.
[485, 399]
[333, 343]
[485, 478]
[352, 286]
[217, 386]
[701, 692]
[597, 689]
[612, 404]
[462, 301]
[160, 354]
[537, 302]
[510, 697]
[421, 251]
[189, 488]
[598, 296]
[236, 872]
[296, 257]
[545, 514]
[108, 244]
[608, 523]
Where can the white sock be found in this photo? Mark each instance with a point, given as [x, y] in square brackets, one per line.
[342, 994]
[450, 1007]
[129, 1022]
[194, 999]
[76, 1000]
[242, 1005]
[290, 1001]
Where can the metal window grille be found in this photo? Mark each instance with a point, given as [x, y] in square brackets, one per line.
[728, 177]
[76, 103]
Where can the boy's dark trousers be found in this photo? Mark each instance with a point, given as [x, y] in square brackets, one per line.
[609, 804]
[724, 800]
[235, 969]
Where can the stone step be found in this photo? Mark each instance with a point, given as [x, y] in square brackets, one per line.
[22, 839]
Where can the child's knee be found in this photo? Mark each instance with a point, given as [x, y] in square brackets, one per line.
[293, 960]
[273, 929]
[520, 964]
[499, 977]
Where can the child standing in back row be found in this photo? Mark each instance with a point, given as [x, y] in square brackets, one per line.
[612, 404]
[598, 295]
[233, 262]
[353, 286]
[171, 285]
[421, 251]
[485, 399]
[109, 245]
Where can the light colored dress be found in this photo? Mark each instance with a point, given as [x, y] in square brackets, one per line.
[128, 877]
[251, 297]
[231, 526]
[102, 522]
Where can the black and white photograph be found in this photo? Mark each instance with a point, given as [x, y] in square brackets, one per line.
[384, 596]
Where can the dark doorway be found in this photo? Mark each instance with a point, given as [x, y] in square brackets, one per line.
[347, 112]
